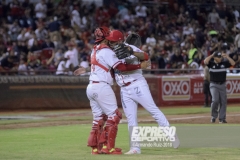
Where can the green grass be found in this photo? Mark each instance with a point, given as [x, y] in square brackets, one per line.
[198, 142]
[195, 110]
[69, 143]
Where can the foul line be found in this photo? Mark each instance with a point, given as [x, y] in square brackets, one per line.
[199, 117]
[183, 118]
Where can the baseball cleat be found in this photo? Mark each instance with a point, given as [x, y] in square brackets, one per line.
[133, 151]
[223, 121]
[213, 120]
[95, 151]
[105, 150]
[176, 143]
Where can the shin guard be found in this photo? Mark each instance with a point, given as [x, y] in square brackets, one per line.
[97, 128]
[109, 134]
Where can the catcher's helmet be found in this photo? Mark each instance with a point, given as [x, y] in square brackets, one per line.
[115, 36]
[101, 33]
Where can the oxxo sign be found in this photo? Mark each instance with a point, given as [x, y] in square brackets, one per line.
[233, 88]
[175, 88]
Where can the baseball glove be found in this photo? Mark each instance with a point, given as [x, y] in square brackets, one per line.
[122, 51]
[134, 39]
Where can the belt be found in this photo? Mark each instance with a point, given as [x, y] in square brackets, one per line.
[128, 83]
[97, 82]
[217, 82]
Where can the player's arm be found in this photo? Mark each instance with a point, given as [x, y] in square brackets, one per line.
[231, 61]
[81, 70]
[129, 67]
[206, 60]
[143, 56]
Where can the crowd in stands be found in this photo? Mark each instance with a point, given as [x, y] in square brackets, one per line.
[55, 37]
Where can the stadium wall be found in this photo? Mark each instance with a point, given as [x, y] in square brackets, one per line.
[69, 92]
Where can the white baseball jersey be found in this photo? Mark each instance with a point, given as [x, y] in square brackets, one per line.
[129, 76]
[108, 59]
[101, 95]
[137, 92]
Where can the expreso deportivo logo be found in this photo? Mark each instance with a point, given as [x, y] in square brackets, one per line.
[153, 134]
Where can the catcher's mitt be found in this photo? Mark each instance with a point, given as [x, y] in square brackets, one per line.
[122, 51]
[134, 39]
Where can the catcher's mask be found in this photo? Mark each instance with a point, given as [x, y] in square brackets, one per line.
[115, 37]
[101, 33]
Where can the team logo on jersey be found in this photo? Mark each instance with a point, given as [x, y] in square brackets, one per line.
[95, 95]
[222, 66]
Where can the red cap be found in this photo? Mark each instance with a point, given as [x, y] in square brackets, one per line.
[115, 36]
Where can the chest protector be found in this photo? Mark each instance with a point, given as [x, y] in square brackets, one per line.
[93, 58]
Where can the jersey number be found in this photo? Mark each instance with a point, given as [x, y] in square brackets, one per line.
[137, 91]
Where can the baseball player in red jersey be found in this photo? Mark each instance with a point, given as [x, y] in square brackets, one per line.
[135, 90]
[106, 115]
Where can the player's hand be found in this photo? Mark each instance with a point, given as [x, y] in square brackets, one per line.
[80, 70]
[145, 64]
[224, 55]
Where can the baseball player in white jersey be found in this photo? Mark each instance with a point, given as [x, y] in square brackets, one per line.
[135, 90]
[102, 98]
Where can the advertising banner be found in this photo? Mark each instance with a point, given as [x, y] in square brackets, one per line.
[69, 92]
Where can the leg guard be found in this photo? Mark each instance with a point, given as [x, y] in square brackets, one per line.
[109, 134]
[97, 128]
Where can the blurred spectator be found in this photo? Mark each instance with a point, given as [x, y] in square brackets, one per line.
[50, 8]
[102, 16]
[58, 57]
[163, 61]
[27, 21]
[237, 38]
[54, 28]
[33, 64]
[35, 49]
[22, 47]
[176, 60]
[41, 9]
[48, 43]
[151, 41]
[61, 69]
[47, 49]
[213, 17]
[46, 65]
[15, 10]
[206, 89]
[7, 65]
[14, 30]
[76, 21]
[236, 13]
[22, 68]
[72, 56]
[84, 63]
[236, 57]
[41, 33]
[3, 9]
[141, 11]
